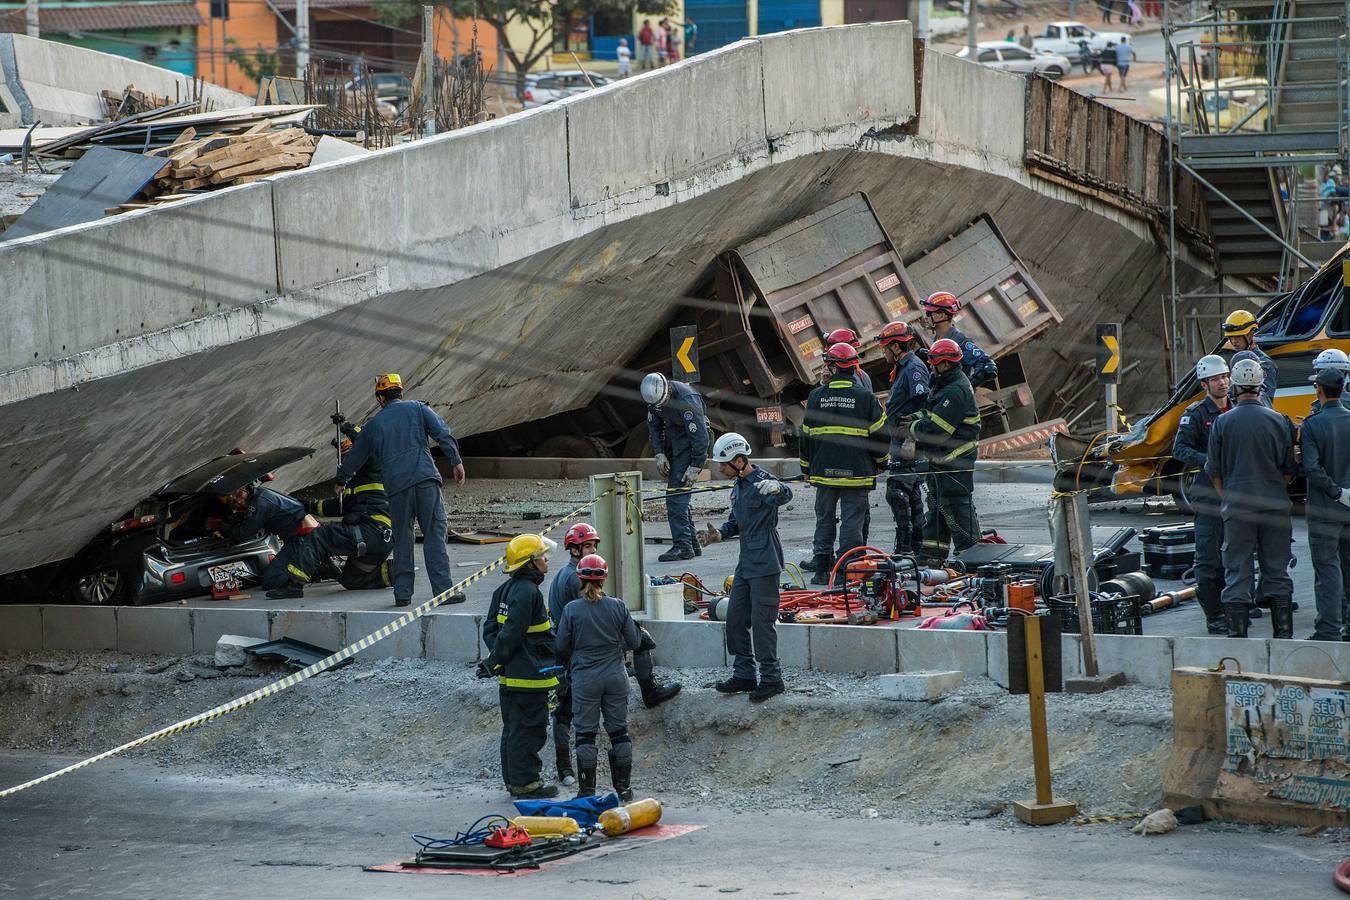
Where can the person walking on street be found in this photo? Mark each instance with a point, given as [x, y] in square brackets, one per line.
[841, 456]
[1191, 449]
[690, 35]
[1325, 441]
[519, 638]
[939, 313]
[678, 427]
[646, 43]
[1124, 56]
[1250, 462]
[946, 434]
[593, 636]
[752, 610]
[625, 58]
[909, 393]
[396, 437]
[1240, 330]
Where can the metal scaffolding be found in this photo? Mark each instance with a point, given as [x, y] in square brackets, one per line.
[1258, 112]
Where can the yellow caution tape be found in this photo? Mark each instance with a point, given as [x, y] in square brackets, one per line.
[293, 679]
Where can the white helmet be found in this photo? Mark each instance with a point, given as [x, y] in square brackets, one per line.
[1248, 373]
[729, 446]
[1332, 358]
[655, 389]
[1209, 366]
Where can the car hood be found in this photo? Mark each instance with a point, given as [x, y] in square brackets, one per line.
[226, 474]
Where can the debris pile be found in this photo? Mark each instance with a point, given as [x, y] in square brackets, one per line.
[130, 102]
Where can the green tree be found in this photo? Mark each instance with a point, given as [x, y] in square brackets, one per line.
[255, 66]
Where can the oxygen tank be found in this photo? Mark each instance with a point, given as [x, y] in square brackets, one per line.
[630, 817]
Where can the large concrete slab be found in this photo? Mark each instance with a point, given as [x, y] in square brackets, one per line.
[1252, 654]
[943, 651]
[20, 627]
[454, 637]
[974, 108]
[321, 628]
[209, 624]
[688, 643]
[794, 645]
[1311, 659]
[406, 643]
[1145, 659]
[854, 648]
[79, 628]
[155, 629]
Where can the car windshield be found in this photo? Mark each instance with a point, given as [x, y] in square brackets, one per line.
[988, 56]
[1080, 31]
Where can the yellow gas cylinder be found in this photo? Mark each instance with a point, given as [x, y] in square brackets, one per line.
[631, 817]
[547, 826]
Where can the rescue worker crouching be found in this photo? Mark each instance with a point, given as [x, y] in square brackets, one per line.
[1191, 450]
[1325, 440]
[946, 434]
[256, 510]
[752, 610]
[519, 638]
[909, 392]
[593, 636]
[678, 427]
[840, 455]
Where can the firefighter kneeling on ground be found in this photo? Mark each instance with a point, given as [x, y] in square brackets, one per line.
[519, 637]
[256, 510]
[946, 434]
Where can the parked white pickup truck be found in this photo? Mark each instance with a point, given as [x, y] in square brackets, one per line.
[1065, 38]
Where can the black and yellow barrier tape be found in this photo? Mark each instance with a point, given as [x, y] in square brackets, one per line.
[295, 678]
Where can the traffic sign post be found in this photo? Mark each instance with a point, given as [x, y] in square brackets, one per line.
[684, 353]
[1108, 370]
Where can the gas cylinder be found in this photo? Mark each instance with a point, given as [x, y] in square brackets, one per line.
[717, 609]
[630, 817]
[547, 826]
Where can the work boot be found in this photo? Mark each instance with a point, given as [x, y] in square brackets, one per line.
[586, 782]
[456, 597]
[653, 694]
[289, 592]
[675, 554]
[1217, 625]
[766, 690]
[821, 569]
[563, 755]
[398, 602]
[807, 565]
[736, 685]
[622, 776]
[1282, 619]
[328, 571]
[1238, 619]
[697, 548]
[1254, 612]
[1207, 594]
[540, 790]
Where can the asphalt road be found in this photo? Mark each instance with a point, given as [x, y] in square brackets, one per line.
[131, 830]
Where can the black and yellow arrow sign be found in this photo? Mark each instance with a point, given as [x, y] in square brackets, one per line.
[684, 353]
[1108, 354]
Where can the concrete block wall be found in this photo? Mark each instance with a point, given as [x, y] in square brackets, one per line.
[973, 108]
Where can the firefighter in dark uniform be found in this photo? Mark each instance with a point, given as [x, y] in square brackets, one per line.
[519, 638]
[909, 393]
[255, 511]
[1332, 358]
[1251, 461]
[1326, 461]
[1240, 330]
[678, 427]
[841, 454]
[946, 434]
[939, 312]
[850, 337]
[1191, 449]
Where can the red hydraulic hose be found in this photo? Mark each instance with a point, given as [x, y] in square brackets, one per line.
[846, 554]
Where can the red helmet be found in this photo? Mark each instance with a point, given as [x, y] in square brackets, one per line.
[896, 333]
[579, 534]
[941, 301]
[944, 350]
[841, 356]
[843, 336]
[593, 568]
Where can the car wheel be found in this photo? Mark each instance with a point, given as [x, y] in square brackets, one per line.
[103, 585]
[1054, 73]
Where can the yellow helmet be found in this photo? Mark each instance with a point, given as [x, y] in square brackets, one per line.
[1239, 322]
[385, 382]
[525, 547]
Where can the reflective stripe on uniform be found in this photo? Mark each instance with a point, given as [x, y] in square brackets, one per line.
[877, 424]
[383, 520]
[372, 486]
[533, 629]
[856, 481]
[941, 423]
[537, 683]
[298, 573]
[841, 384]
[804, 463]
[840, 429]
[961, 450]
[971, 420]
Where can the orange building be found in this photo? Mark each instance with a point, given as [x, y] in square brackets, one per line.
[339, 30]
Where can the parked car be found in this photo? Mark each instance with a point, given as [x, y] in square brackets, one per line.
[1012, 58]
[1066, 39]
[546, 87]
[163, 550]
[393, 87]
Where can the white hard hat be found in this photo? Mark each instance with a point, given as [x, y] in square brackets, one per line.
[1248, 373]
[1209, 366]
[729, 446]
[1332, 358]
[655, 389]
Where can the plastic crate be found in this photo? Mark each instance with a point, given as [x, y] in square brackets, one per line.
[1110, 615]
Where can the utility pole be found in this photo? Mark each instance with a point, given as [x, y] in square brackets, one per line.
[972, 53]
[31, 19]
[301, 38]
[428, 70]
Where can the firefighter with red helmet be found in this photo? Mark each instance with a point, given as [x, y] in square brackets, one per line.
[939, 312]
[909, 392]
[850, 337]
[843, 447]
[946, 434]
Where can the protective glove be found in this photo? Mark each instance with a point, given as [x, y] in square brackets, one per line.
[1344, 498]
[691, 475]
[662, 465]
[337, 418]
[709, 536]
[768, 487]
[484, 671]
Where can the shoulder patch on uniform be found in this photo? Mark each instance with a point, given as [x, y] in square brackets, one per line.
[1185, 420]
[693, 428]
[689, 415]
